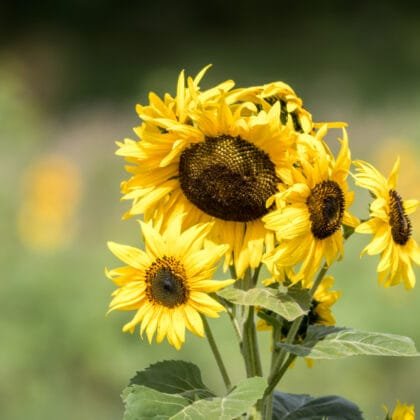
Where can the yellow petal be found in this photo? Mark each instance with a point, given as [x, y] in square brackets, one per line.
[350, 220]
[163, 325]
[410, 206]
[178, 324]
[371, 226]
[132, 256]
[153, 240]
[193, 320]
[413, 251]
[210, 286]
[393, 177]
[380, 241]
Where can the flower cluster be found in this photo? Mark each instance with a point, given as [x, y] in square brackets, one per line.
[244, 175]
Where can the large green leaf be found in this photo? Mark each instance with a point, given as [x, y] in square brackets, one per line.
[143, 403]
[174, 377]
[347, 342]
[296, 406]
[237, 402]
[289, 305]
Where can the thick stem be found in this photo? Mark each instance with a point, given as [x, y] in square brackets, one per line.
[286, 365]
[216, 354]
[231, 313]
[249, 348]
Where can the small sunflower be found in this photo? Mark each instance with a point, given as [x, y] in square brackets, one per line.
[310, 213]
[401, 412]
[390, 225]
[324, 299]
[168, 284]
[220, 163]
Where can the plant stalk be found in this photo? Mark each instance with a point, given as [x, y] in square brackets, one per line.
[216, 354]
[250, 349]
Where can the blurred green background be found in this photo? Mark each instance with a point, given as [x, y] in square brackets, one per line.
[70, 76]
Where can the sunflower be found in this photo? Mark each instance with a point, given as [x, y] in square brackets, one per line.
[220, 163]
[401, 412]
[168, 284]
[310, 213]
[390, 225]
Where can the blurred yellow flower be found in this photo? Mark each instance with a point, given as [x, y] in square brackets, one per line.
[402, 412]
[390, 225]
[168, 284]
[51, 193]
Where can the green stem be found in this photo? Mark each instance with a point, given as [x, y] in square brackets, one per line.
[267, 410]
[216, 354]
[250, 346]
[276, 369]
[250, 349]
[286, 365]
[230, 311]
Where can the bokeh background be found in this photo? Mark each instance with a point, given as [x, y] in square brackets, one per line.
[70, 76]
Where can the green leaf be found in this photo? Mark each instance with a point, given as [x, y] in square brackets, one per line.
[174, 377]
[146, 403]
[237, 402]
[347, 342]
[295, 406]
[289, 305]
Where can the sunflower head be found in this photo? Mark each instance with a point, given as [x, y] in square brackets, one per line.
[168, 285]
[326, 205]
[310, 213]
[228, 177]
[390, 225]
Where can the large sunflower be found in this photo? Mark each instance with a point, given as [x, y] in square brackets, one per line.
[390, 225]
[168, 284]
[310, 214]
[221, 163]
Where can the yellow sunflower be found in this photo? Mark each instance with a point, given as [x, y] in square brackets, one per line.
[401, 412]
[168, 284]
[221, 163]
[390, 225]
[309, 215]
[323, 300]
